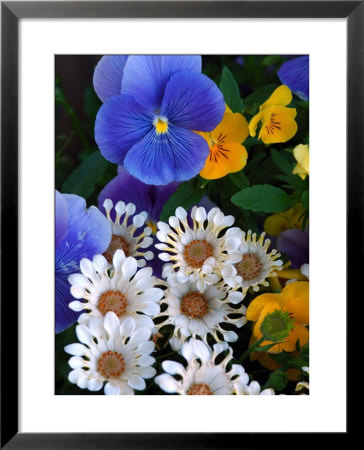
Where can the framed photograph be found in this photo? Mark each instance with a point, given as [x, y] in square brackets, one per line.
[163, 230]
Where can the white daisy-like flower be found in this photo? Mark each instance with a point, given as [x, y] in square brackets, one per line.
[201, 376]
[120, 288]
[112, 351]
[195, 313]
[303, 384]
[199, 253]
[132, 238]
[253, 388]
[255, 264]
[305, 270]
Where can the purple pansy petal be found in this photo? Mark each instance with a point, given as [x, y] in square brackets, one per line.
[295, 244]
[176, 155]
[193, 101]
[89, 233]
[61, 218]
[145, 77]
[295, 74]
[159, 195]
[64, 314]
[120, 123]
[108, 75]
[124, 187]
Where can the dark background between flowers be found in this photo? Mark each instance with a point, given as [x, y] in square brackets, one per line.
[81, 170]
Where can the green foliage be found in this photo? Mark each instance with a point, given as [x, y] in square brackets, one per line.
[82, 181]
[277, 380]
[282, 160]
[239, 179]
[266, 198]
[187, 195]
[230, 89]
[257, 98]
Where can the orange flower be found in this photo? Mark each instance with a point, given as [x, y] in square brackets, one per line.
[227, 155]
[293, 304]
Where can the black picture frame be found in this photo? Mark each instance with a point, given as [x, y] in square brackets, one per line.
[11, 13]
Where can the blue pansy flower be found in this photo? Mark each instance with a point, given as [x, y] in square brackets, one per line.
[294, 73]
[149, 127]
[108, 75]
[80, 233]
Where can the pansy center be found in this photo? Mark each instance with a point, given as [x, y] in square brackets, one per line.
[152, 225]
[161, 124]
[111, 364]
[249, 267]
[194, 305]
[196, 253]
[113, 301]
[116, 243]
[199, 389]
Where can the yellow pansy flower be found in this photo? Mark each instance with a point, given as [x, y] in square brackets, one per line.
[278, 124]
[279, 222]
[293, 305]
[301, 153]
[227, 155]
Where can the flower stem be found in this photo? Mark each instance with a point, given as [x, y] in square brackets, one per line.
[250, 350]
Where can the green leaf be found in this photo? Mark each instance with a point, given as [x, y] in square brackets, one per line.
[297, 363]
[230, 89]
[281, 161]
[281, 358]
[305, 200]
[186, 196]
[277, 380]
[239, 179]
[263, 197]
[260, 95]
[82, 181]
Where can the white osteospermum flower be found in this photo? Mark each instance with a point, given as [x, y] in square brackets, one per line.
[197, 253]
[121, 289]
[201, 376]
[303, 384]
[252, 388]
[255, 264]
[112, 351]
[132, 238]
[195, 313]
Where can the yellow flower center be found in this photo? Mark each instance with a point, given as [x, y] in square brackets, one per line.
[113, 301]
[196, 253]
[249, 267]
[194, 305]
[199, 389]
[116, 243]
[111, 364]
[161, 124]
[153, 226]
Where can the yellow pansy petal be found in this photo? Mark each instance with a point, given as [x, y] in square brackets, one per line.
[296, 300]
[281, 96]
[232, 128]
[254, 123]
[301, 153]
[278, 125]
[300, 333]
[227, 109]
[224, 159]
[268, 308]
[300, 171]
[256, 306]
[275, 224]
